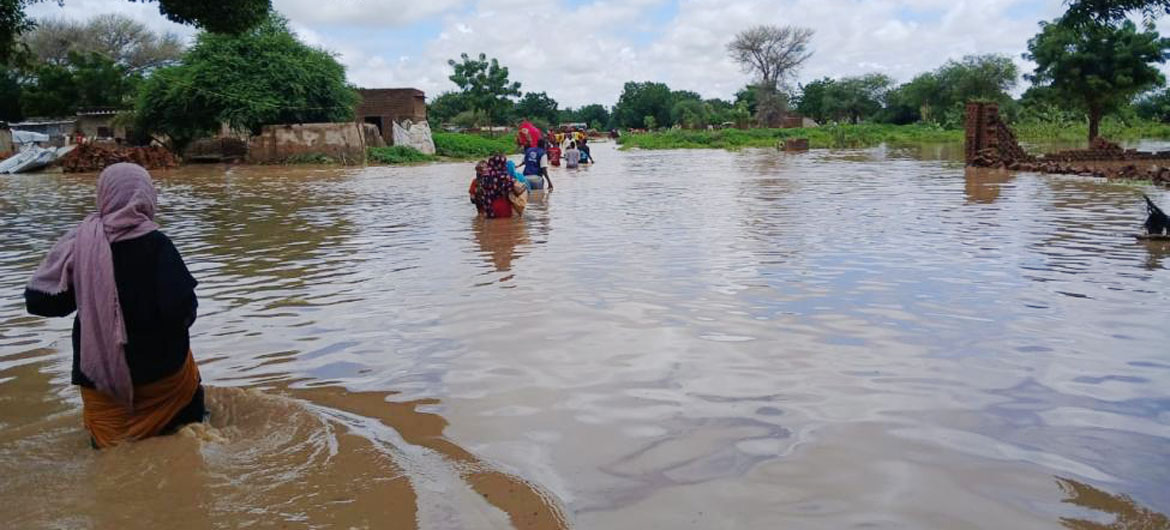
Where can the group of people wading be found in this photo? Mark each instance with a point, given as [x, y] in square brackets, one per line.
[500, 189]
[135, 298]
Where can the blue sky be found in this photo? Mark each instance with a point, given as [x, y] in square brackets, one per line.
[583, 51]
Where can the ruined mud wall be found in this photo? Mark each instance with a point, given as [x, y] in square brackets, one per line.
[991, 143]
[344, 142]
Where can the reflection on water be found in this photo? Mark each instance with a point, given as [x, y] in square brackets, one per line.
[984, 185]
[673, 339]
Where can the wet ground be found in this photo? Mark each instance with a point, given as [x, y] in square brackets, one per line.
[676, 339]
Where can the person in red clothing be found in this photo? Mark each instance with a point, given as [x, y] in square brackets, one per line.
[527, 135]
[491, 187]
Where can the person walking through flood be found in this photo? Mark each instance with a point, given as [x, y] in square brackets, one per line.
[586, 154]
[536, 166]
[572, 156]
[554, 154]
[135, 301]
[527, 135]
[492, 187]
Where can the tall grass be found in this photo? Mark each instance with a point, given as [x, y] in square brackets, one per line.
[471, 146]
[398, 154]
[832, 136]
[1078, 131]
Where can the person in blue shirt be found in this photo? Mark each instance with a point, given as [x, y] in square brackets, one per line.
[586, 156]
[536, 166]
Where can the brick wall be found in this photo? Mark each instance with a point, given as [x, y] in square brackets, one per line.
[988, 140]
[383, 106]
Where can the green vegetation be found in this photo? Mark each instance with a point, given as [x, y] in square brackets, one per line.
[869, 135]
[261, 77]
[311, 158]
[471, 146]
[1077, 130]
[398, 154]
[211, 15]
[484, 85]
[1097, 67]
[839, 136]
[82, 80]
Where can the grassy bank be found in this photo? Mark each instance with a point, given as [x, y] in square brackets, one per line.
[869, 135]
[833, 136]
[1037, 131]
[448, 146]
[398, 154]
[462, 146]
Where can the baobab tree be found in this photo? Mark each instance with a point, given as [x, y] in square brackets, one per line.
[773, 54]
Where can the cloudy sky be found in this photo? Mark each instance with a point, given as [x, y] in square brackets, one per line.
[583, 51]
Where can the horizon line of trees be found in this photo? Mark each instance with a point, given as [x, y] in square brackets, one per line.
[1091, 62]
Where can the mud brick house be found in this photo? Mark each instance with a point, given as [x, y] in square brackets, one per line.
[384, 106]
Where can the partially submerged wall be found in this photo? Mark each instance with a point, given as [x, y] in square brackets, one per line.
[991, 143]
[343, 142]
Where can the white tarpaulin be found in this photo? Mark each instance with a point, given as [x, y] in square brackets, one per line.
[28, 137]
[416, 135]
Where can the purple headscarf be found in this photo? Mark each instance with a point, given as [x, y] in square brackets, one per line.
[82, 259]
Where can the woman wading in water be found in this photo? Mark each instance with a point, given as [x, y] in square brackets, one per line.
[135, 300]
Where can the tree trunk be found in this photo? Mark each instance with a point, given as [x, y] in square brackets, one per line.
[1094, 124]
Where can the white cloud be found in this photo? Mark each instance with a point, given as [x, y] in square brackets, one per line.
[364, 12]
[583, 52]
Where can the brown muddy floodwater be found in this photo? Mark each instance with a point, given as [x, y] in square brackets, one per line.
[677, 339]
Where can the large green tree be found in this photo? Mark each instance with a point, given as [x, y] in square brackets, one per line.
[596, 115]
[1097, 66]
[485, 85]
[690, 113]
[811, 102]
[10, 96]
[939, 95]
[640, 100]
[444, 107]
[221, 16]
[83, 80]
[856, 98]
[1082, 11]
[260, 77]
[537, 106]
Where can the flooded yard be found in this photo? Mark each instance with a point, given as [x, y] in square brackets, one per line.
[671, 339]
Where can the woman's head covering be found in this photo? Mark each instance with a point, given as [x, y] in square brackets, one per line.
[493, 183]
[82, 260]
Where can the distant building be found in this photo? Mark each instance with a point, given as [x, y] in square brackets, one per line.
[385, 106]
[100, 124]
[58, 130]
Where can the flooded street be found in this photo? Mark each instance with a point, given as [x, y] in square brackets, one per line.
[671, 339]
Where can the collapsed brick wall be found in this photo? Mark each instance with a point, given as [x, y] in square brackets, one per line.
[989, 141]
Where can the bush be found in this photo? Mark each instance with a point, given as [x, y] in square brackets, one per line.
[472, 146]
[398, 154]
